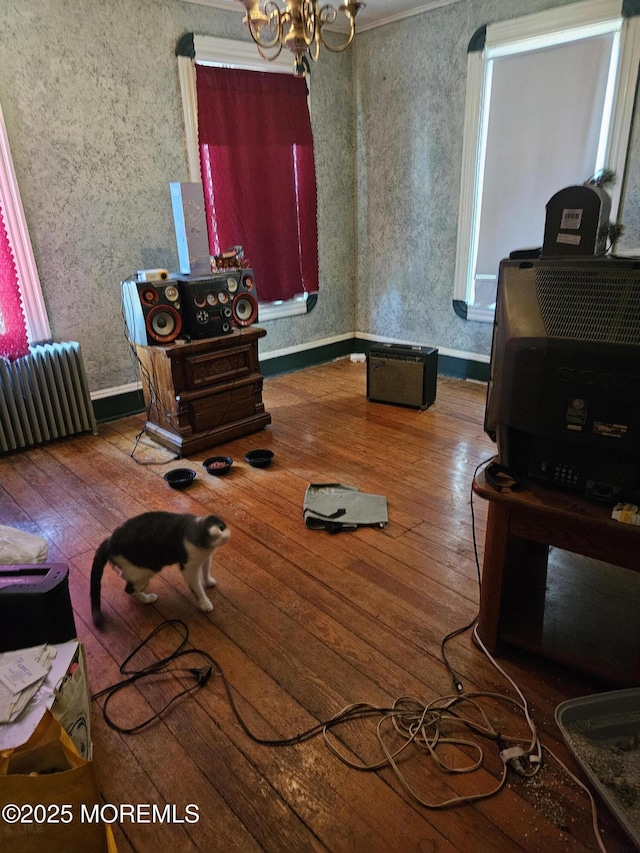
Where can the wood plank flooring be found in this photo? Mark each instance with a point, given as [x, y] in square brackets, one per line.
[305, 623]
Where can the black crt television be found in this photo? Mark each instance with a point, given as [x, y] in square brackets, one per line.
[563, 399]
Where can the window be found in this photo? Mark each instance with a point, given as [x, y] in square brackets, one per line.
[549, 104]
[23, 317]
[258, 173]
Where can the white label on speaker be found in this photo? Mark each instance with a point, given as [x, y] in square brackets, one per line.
[571, 218]
[570, 239]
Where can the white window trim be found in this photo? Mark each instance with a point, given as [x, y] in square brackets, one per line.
[18, 234]
[541, 28]
[227, 53]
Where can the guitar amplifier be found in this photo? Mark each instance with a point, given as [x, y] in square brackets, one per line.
[402, 375]
[35, 607]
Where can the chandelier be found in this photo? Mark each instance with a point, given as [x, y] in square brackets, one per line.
[299, 26]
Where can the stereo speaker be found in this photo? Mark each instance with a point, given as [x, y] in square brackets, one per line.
[402, 375]
[152, 312]
[245, 300]
[218, 303]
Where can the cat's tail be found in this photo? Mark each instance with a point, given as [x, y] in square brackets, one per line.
[99, 562]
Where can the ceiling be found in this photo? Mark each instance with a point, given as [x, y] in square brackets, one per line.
[376, 13]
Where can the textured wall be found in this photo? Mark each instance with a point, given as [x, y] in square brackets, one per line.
[630, 206]
[410, 92]
[92, 105]
[91, 100]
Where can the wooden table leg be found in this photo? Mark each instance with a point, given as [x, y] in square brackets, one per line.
[493, 565]
[524, 592]
[514, 575]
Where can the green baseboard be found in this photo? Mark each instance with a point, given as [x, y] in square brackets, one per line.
[308, 358]
[118, 406]
[463, 368]
[459, 368]
[132, 402]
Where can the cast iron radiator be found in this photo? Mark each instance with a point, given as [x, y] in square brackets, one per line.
[44, 396]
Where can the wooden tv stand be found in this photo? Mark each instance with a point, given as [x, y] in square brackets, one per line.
[204, 392]
[593, 627]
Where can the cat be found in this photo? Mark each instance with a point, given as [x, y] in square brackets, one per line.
[146, 543]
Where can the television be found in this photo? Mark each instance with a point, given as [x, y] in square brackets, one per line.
[563, 398]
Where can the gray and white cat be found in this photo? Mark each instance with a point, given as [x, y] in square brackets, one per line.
[145, 544]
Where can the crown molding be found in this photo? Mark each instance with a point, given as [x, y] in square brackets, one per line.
[405, 13]
[428, 6]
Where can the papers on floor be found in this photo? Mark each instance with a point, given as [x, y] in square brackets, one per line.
[22, 674]
[64, 691]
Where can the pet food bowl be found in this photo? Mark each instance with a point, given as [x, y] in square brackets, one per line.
[259, 458]
[218, 465]
[180, 478]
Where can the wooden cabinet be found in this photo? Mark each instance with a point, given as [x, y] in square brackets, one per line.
[205, 392]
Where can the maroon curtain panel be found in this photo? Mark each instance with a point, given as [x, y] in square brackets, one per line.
[13, 331]
[258, 175]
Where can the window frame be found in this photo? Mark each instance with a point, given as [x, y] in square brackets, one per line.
[227, 53]
[555, 26]
[35, 312]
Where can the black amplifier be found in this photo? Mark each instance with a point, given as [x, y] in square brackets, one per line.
[403, 375]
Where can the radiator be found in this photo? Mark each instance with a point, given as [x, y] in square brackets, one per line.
[44, 396]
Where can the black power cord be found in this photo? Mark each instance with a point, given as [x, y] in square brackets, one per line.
[409, 720]
[202, 674]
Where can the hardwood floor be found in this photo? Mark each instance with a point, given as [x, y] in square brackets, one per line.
[305, 623]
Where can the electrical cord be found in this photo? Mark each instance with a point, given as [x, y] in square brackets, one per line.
[153, 397]
[150, 383]
[428, 727]
[425, 727]
[457, 683]
[526, 762]
[535, 754]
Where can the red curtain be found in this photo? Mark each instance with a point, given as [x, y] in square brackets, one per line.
[13, 331]
[258, 175]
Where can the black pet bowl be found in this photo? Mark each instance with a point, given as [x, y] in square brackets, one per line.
[259, 458]
[218, 465]
[180, 478]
